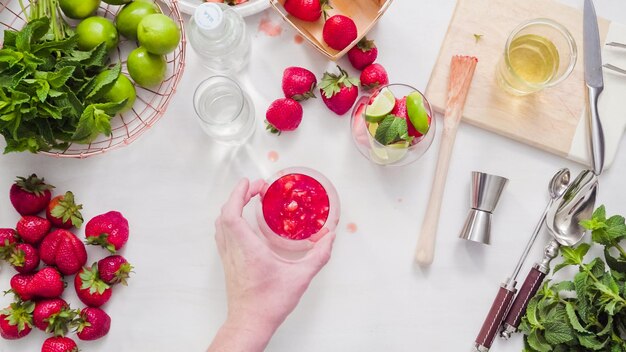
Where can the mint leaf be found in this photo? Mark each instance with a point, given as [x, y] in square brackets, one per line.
[58, 78]
[574, 256]
[391, 129]
[573, 318]
[103, 82]
[538, 342]
[31, 32]
[591, 342]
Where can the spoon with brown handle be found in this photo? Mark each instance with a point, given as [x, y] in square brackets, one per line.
[461, 73]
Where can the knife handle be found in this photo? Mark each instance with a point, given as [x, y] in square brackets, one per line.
[596, 134]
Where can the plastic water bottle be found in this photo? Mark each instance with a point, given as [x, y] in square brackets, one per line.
[218, 34]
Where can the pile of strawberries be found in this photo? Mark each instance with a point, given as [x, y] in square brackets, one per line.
[339, 91]
[49, 240]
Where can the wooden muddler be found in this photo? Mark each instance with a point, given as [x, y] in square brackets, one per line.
[461, 73]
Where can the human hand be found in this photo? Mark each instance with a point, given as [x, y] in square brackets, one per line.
[262, 288]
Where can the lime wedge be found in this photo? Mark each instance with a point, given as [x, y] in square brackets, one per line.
[417, 112]
[372, 127]
[381, 106]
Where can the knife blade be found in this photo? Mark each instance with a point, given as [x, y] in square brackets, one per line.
[595, 84]
[592, 48]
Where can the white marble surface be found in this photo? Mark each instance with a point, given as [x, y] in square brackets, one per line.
[171, 183]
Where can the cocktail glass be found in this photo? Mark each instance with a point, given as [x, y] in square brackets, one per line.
[297, 207]
[389, 155]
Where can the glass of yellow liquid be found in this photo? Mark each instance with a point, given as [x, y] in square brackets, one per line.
[539, 53]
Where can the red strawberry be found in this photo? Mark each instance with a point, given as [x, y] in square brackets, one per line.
[94, 323]
[53, 316]
[363, 54]
[299, 83]
[283, 115]
[30, 195]
[59, 344]
[16, 321]
[32, 229]
[339, 91]
[46, 283]
[114, 269]
[24, 258]
[339, 32]
[90, 288]
[307, 10]
[109, 230]
[374, 76]
[8, 237]
[63, 212]
[64, 250]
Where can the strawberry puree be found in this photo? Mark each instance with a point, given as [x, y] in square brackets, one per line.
[352, 227]
[270, 28]
[296, 206]
[298, 39]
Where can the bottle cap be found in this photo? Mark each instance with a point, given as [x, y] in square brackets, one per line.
[208, 16]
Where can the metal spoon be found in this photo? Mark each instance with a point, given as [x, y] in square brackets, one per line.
[563, 223]
[557, 186]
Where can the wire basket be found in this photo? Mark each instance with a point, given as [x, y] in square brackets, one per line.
[150, 104]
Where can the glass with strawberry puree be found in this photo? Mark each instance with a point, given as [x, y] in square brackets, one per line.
[401, 151]
[297, 207]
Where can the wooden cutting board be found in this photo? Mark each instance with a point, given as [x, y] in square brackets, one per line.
[552, 120]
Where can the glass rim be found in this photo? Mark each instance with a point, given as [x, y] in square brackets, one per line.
[560, 28]
[208, 81]
[426, 105]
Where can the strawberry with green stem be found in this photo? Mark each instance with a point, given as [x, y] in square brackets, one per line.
[63, 212]
[24, 258]
[92, 324]
[298, 83]
[109, 230]
[53, 316]
[8, 238]
[339, 91]
[363, 54]
[30, 195]
[90, 288]
[114, 269]
[283, 115]
[16, 321]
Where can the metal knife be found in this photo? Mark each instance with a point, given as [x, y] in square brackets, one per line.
[595, 84]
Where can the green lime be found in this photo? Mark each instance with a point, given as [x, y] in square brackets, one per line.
[382, 105]
[122, 89]
[147, 70]
[417, 112]
[128, 18]
[79, 9]
[95, 30]
[159, 34]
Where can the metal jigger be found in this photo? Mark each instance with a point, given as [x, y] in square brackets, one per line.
[485, 193]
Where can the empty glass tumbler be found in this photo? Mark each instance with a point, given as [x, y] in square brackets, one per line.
[224, 110]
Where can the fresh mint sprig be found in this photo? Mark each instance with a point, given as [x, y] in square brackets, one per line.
[392, 129]
[587, 312]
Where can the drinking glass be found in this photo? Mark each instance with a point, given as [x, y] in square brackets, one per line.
[285, 245]
[389, 155]
[542, 34]
[224, 110]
